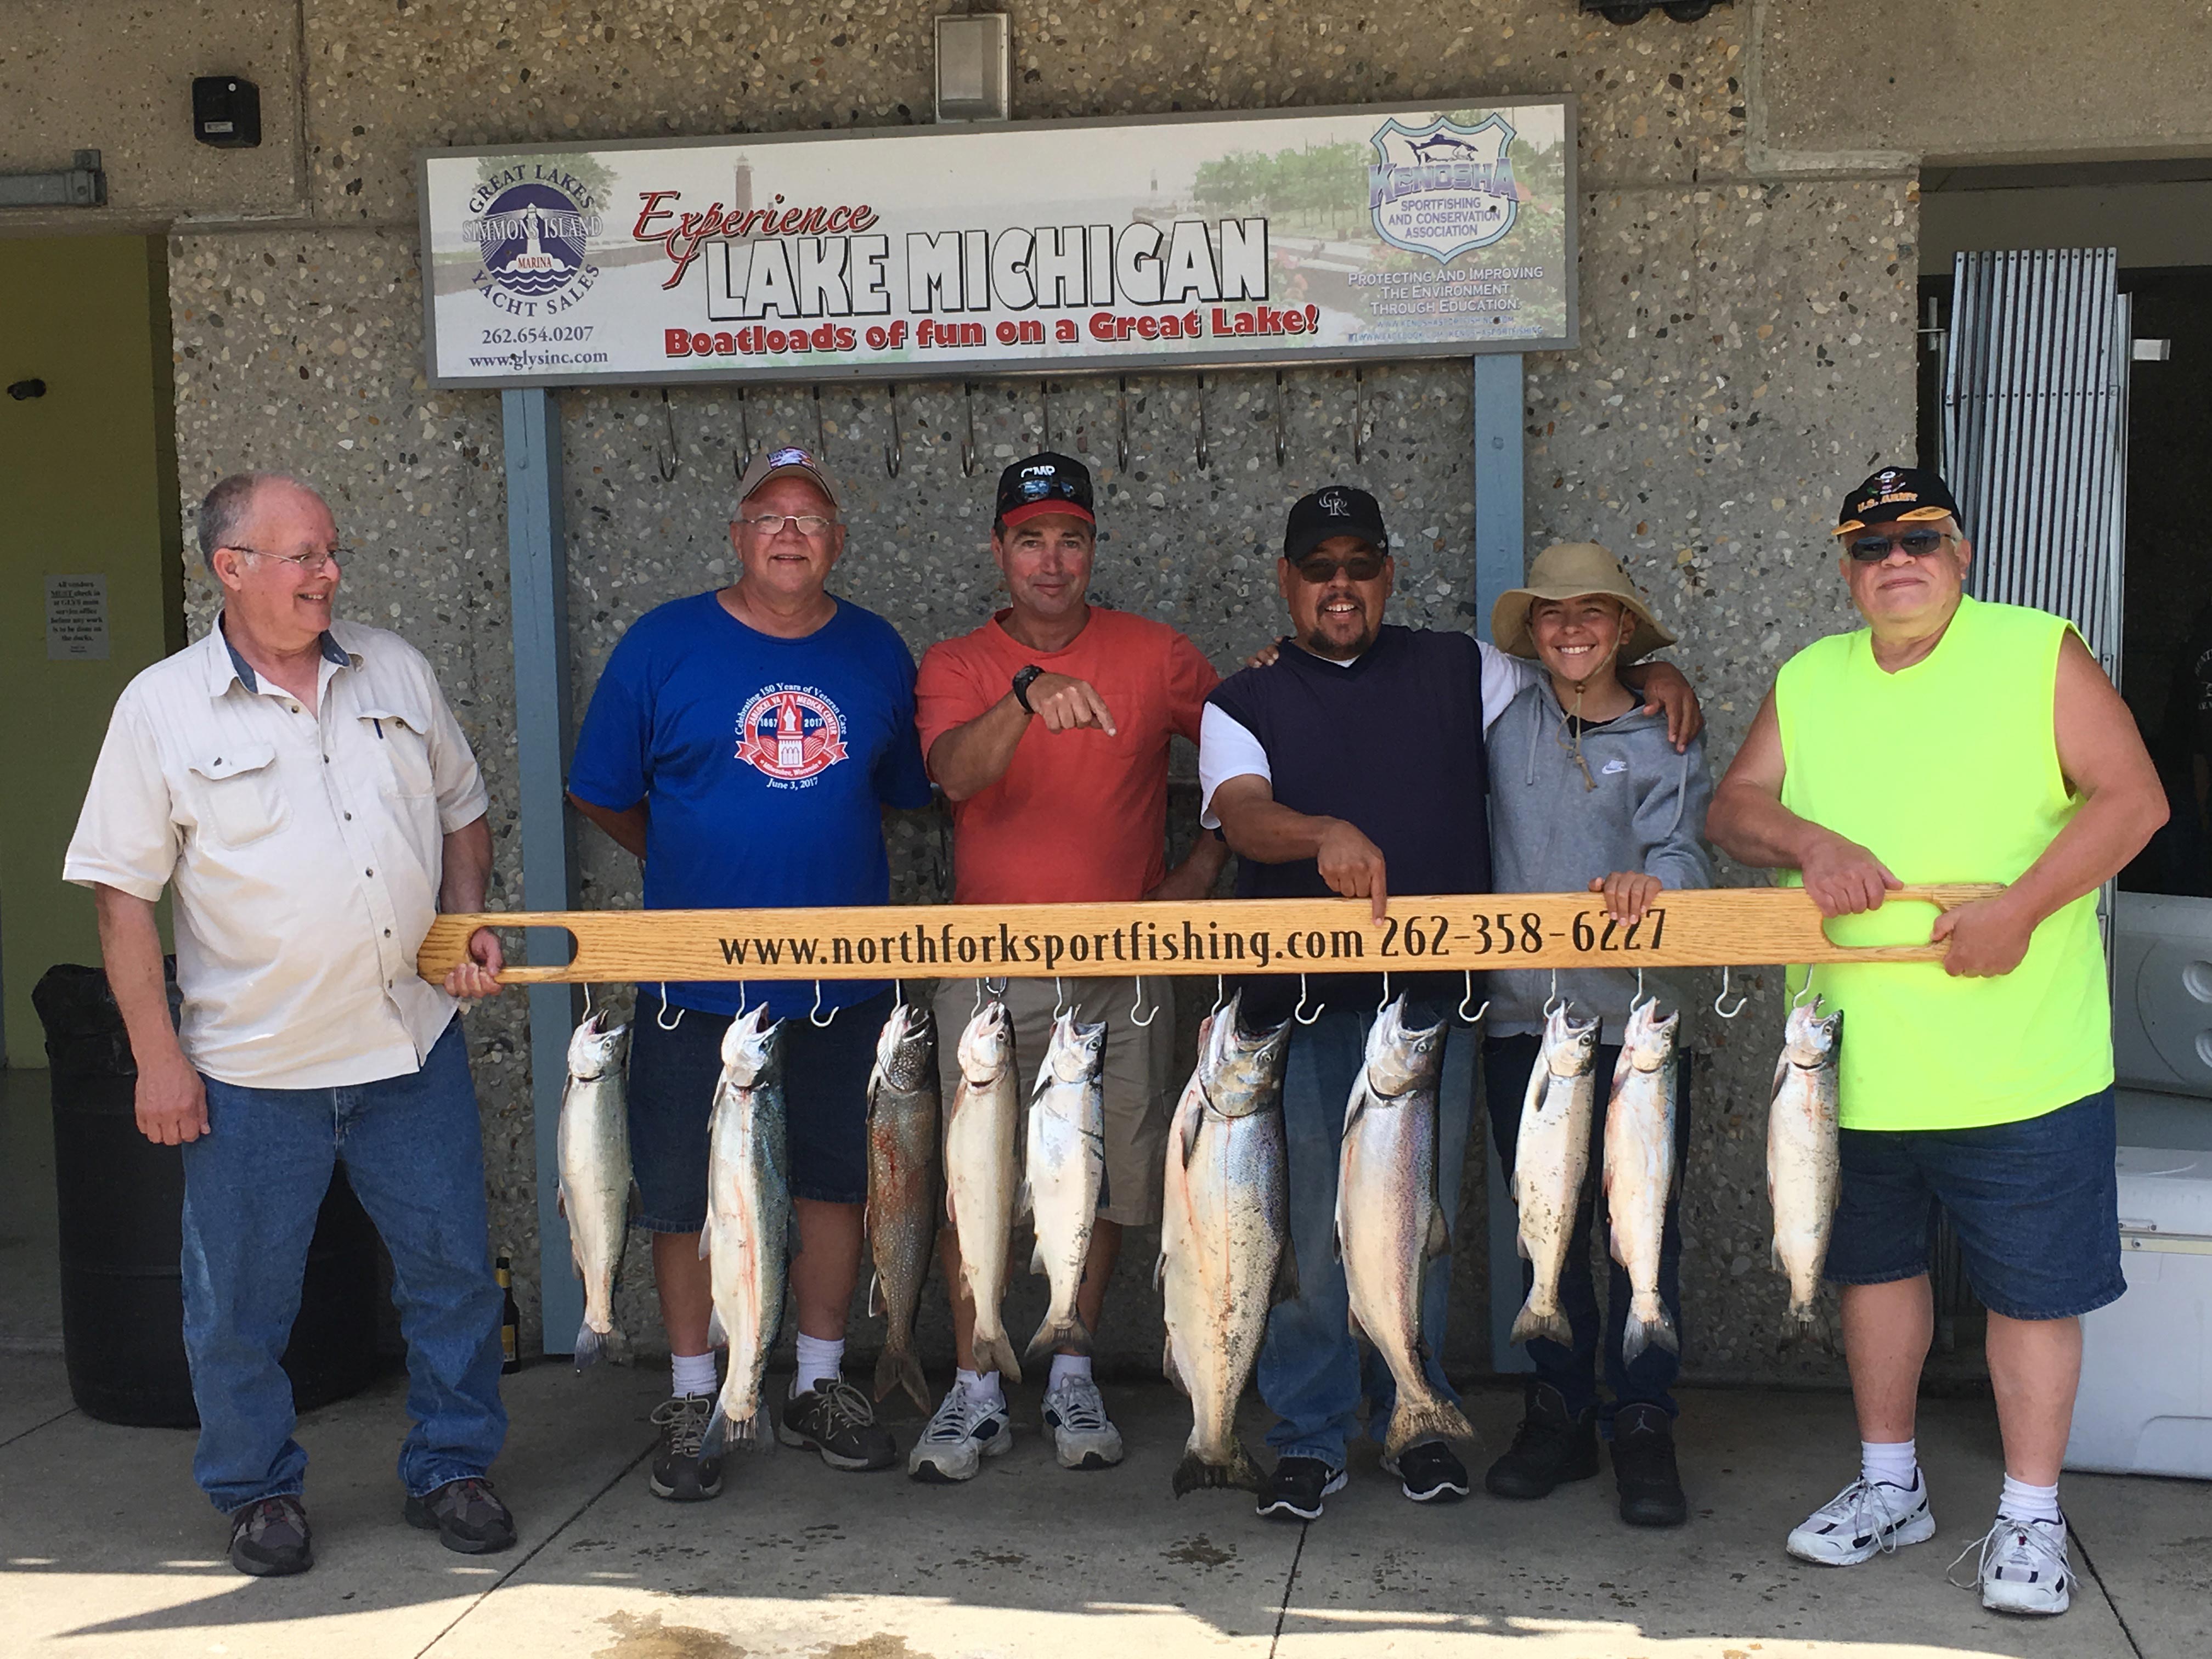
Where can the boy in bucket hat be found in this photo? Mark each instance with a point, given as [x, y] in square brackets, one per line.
[1585, 790]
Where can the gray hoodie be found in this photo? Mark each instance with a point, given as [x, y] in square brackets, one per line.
[1551, 833]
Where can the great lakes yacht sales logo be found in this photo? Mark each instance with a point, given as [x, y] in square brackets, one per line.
[532, 223]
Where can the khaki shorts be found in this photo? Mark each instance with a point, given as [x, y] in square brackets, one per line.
[1139, 1076]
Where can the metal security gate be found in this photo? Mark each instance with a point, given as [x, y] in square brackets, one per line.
[2035, 401]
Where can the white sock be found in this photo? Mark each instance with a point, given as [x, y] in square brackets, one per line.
[820, 1359]
[2025, 1503]
[1894, 1464]
[1065, 1365]
[983, 1387]
[691, 1373]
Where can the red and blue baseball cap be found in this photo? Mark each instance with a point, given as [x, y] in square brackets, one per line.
[1045, 483]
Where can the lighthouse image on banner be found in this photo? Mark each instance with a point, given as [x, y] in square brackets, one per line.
[1443, 189]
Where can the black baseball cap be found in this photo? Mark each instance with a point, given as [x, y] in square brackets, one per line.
[1896, 494]
[1333, 510]
[1045, 483]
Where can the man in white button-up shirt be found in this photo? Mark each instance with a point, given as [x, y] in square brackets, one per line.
[300, 785]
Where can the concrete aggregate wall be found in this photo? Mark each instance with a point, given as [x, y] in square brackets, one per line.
[1747, 346]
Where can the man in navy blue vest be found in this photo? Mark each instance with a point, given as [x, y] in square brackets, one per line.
[1354, 764]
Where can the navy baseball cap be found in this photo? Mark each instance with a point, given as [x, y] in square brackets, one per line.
[1896, 494]
[1333, 510]
[1045, 483]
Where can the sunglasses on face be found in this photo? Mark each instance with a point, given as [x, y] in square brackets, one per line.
[1364, 567]
[1919, 544]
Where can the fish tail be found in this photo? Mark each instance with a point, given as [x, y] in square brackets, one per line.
[1645, 1328]
[1414, 1421]
[1052, 1336]
[1196, 1473]
[1802, 1320]
[897, 1368]
[589, 1346]
[1532, 1323]
[995, 1353]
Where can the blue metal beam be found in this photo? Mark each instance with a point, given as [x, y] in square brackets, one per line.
[1500, 550]
[538, 588]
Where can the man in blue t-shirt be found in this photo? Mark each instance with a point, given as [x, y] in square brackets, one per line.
[743, 743]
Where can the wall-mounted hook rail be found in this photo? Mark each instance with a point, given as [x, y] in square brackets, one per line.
[895, 451]
[1044, 402]
[1358, 417]
[968, 449]
[1204, 460]
[742, 457]
[671, 462]
[1121, 446]
[821, 440]
[1282, 433]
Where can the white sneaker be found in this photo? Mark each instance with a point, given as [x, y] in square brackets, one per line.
[1864, 1520]
[1085, 1436]
[2023, 1567]
[963, 1431]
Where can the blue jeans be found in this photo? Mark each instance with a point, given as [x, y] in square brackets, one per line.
[1312, 1372]
[253, 1185]
[1507, 1062]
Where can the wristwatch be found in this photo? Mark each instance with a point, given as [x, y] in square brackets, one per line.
[1025, 678]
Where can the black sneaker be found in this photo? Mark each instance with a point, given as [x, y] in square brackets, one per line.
[269, 1538]
[835, 1419]
[467, 1517]
[1643, 1467]
[1429, 1473]
[1295, 1489]
[1549, 1447]
[679, 1473]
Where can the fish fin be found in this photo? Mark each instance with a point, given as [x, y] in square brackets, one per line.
[561, 1202]
[1336, 1242]
[1439, 1240]
[1781, 1071]
[1024, 1202]
[1105, 1199]
[1070, 1333]
[1286, 1286]
[632, 1205]
[1184, 1132]
[1160, 1271]
[1194, 1473]
[716, 1336]
[1529, 1325]
[1170, 1371]
[1774, 1256]
[1637, 1335]
[706, 1242]
[997, 1354]
[1521, 1246]
[876, 1302]
[897, 1368]
[588, 1346]
[1352, 1325]
[1431, 1420]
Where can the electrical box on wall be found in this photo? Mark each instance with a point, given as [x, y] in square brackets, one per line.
[225, 112]
[975, 67]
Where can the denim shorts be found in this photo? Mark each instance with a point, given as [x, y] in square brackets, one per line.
[2035, 1205]
[671, 1101]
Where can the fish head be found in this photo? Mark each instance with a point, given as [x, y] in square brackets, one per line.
[1649, 1039]
[1809, 1040]
[595, 1048]
[1398, 1057]
[987, 1045]
[906, 1049]
[1239, 1070]
[1570, 1044]
[1076, 1051]
[749, 1046]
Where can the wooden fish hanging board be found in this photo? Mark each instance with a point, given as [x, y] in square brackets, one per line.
[1735, 927]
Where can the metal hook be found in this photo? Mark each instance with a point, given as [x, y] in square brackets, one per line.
[1282, 436]
[1204, 460]
[1742, 998]
[742, 457]
[1385, 1003]
[1221, 992]
[1299, 1012]
[898, 994]
[1639, 997]
[895, 451]
[1059, 997]
[661, 1018]
[1551, 1003]
[673, 462]
[1803, 994]
[968, 449]
[821, 442]
[1470, 997]
[1358, 417]
[1121, 448]
[819, 1024]
[1139, 1004]
[588, 1002]
[1044, 402]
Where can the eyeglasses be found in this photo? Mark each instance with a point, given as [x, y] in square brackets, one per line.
[308, 563]
[1360, 568]
[772, 523]
[1919, 544]
[1037, 489]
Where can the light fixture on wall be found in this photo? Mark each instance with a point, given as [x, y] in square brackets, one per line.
[975, 67]
[1625, 12]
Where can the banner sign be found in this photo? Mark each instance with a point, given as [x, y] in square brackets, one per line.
[1154, 244]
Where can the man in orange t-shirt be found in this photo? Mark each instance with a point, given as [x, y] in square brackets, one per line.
[1049, 729]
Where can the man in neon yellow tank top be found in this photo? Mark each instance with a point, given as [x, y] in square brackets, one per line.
[1955, 741]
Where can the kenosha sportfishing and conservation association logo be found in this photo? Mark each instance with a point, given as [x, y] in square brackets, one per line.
[533, 224]
[1443, 188]
[790, 733]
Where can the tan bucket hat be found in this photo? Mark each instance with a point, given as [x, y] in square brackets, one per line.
[1567, 570]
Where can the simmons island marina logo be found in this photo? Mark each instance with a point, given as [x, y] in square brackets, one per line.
[1443, 189]
[532, 223]
[790, 733]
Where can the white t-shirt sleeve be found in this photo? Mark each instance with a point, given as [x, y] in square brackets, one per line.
[1226, 749]
[1503, 676]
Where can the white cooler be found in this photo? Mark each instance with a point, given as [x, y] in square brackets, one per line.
[2146, 1401]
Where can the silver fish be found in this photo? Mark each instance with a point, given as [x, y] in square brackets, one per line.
[1639, 1171]
[1064, 1167]
[981, 1175]
[1803, 1160]
[1550, 1155]
[1390, 1222]
[593, 1142]
[1225, 1237]
[748, 1223]
[904, 1187]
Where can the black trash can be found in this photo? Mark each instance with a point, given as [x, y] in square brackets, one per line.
[121, 1202]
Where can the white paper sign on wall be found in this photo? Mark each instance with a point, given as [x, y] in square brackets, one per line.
[76, 618]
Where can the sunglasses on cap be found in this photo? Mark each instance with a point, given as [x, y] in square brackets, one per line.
[1918, 543]
[1363, 566]
[1053, 488]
